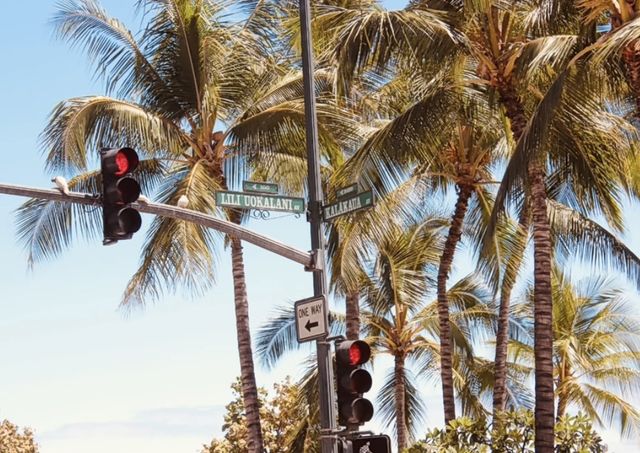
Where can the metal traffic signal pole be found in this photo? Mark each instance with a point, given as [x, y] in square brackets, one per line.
[323, 350]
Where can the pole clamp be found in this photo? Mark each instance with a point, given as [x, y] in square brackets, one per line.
[314, 208]
[317, 261]
[328, 433]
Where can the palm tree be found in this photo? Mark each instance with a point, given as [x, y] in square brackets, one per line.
[400, 261]
[205, 100]
[596, 351]
[492, 37]
[349, 237]
[614, 21]
[509, 61]
[397, 286]
[594, 183]
[506, 58]
[398, 325]
[458, 151]
[466, 163]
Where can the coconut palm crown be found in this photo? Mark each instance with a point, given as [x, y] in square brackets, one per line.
[596, 353]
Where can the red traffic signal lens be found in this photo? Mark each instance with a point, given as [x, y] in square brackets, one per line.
[126, 161]
[122, 163]
[353, 352]
[359, 352]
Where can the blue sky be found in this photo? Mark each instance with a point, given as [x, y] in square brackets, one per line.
[87, 376]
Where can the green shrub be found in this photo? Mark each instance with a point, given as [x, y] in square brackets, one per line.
[514, 432]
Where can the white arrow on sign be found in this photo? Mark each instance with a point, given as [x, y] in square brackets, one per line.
[310, 319]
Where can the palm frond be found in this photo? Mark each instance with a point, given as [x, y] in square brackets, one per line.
[350, 242]
[414, 405]
[177, 252]
[91, 123]
[280, 129]
[614, 410]
[179, 35]
[544, 54]
[416, 135]
[610, 47]
[376, 38]
[47, 228]
[278, 335]
[591, 242]
[111, 46]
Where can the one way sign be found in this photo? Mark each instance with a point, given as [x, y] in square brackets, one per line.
[310, 319]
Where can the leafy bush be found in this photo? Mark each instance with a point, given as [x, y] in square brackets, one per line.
[285, 422]
[12, 440]
[514, 432]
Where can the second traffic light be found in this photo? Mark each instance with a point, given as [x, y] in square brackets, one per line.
[352, 382]
[119, 189]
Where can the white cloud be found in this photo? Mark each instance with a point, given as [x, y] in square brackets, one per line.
[164, 430]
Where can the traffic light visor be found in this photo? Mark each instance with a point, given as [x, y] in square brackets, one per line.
[128, 189]
[361, 381]
[129, 220]
[362, 410]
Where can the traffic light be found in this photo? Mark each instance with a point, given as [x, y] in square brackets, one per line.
[352, 382]
[119, 189]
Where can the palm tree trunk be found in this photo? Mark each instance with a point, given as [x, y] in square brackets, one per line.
[446, 353]
[543, 304]
[502, 336]
[247, 373]
[352, 302]
[515, 112]
[400, 398]
[563, 402]
[513, 106]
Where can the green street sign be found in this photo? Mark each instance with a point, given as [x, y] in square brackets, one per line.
[360, 201]
[263, 202]
[261, 187]
[347, 191]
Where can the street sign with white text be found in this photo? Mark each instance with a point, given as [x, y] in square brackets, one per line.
[310, 319]
[347, 191]
[260, 187]
[348, 205]
[263, 202]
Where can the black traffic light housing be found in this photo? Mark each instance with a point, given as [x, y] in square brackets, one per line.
[119, 189]
[352, 382]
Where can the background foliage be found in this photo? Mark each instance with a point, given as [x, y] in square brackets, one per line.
[15, 440]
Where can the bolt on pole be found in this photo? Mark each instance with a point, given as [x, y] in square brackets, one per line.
[325, 369]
